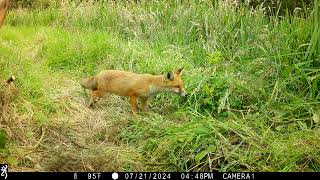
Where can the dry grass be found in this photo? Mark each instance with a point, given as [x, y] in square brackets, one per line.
[77, 139]
[253, 101]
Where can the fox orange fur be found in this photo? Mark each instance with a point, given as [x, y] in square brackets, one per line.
[133, 85]
[4, 6]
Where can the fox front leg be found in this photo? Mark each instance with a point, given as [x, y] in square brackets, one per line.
[133, 102]
[92, 98]
[95, 95]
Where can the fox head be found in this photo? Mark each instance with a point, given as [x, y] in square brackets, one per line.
[174, 82]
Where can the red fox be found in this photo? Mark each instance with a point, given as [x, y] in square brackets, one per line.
[133, 85]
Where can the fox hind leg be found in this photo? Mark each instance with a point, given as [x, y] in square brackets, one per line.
[144, 105]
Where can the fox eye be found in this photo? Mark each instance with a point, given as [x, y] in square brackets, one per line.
[177, 86]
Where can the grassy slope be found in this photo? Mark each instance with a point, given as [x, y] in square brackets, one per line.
[254, 93]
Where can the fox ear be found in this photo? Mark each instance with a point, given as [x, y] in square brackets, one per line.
[179, 71]
[170, 76]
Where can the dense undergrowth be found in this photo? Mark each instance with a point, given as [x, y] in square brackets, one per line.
[252, 80]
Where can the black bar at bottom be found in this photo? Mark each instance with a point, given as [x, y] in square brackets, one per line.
[160, 175]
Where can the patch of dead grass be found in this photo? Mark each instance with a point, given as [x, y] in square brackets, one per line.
[76, 138]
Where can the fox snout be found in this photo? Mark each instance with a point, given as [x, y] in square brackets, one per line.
[183, 94]
[180, 92]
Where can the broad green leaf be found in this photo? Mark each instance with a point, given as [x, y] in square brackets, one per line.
[199, 156]
[202, 130]
[315, 118]
[211, 148]
[3, 138]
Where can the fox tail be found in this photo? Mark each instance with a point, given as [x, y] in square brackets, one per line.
[89, 83]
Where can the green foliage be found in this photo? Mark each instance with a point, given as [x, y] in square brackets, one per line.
[213, 90]
[3, 138]
[214, 58]
[34, 3]
[252, 79]
[283, 7]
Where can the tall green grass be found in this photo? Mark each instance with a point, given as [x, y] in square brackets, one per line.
[253, 80]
